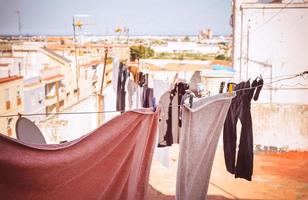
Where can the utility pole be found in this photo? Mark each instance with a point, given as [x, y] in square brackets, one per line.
[76, 58]
[19, 22]
[100, 96]
[79, 24]
[104, 69]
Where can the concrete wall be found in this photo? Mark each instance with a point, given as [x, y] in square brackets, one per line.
[271, 40]
[280, 126]
[34, 98]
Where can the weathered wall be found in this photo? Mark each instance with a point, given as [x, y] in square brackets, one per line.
[280, 127]
[271, 40]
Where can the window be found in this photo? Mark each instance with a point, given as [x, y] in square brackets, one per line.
[40, 98]
[18, 96]
[7, 98]
[8, 128]
[19, 68]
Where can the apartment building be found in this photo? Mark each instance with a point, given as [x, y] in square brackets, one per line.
[11, 103]
[34, 98]
[34, 58]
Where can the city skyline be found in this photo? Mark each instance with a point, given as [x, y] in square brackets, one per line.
[154, 17]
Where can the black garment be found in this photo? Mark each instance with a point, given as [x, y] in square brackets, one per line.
[142, 79]
[259, 85]
[221, 87]
[148, 96]
[179, 90]
[168, 136]
[147, 93]
[122, 77]
[240, 109]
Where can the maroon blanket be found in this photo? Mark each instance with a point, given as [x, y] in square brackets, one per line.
[112, 162]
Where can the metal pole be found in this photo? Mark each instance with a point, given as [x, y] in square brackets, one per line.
[271, 86]
[247, 50]
[104, 69]
[100, 118]
[76, 58]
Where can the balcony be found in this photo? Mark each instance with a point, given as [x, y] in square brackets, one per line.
[50, 100]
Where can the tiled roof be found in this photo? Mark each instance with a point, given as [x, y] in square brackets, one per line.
[9, 79]
[56, 77]
[62, 58]
[4, 64]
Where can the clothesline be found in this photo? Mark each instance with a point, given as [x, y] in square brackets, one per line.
[114, 111]
[270, 83]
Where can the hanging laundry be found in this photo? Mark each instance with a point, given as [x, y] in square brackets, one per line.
[147, 92]
[132, 95]
[112, 162]
[142, 79]
[122, 77]
[147, 97]
[135, 73]
[109, 102]
[160, 87]
[167, 106]
[202, 125]
[194, 80]
[240, 109]
[181, 90]
[169, 124]
[115, 73]
[161, 154]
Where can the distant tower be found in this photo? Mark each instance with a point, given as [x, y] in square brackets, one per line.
[19, 22]
[205, 34]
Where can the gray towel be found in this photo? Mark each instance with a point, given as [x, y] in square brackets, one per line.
[202, 125]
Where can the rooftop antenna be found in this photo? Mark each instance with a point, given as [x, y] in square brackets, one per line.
[77, 23]
[19, 22]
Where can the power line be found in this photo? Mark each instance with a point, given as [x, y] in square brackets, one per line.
[116, 111]
[270, 83]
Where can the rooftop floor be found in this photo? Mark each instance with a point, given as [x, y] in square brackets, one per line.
[276, 176]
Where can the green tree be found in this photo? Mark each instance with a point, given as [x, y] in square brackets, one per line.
[186, 39]
[141, 52]
[220, 57]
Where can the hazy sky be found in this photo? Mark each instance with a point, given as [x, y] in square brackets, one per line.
[156, 17]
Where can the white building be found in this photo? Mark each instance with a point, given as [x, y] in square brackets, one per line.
[271, 39]
[187, 47]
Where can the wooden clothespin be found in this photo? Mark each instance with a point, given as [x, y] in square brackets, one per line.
[230, 89]
[154, 103]
[19, 115]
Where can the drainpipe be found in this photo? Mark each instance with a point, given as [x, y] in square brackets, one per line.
[247, 48]
[241, 43]
[271, 86]
[76, 59]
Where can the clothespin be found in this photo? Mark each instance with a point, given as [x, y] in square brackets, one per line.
[19, 115]
[154, 103]
[230, 89]
[191, 97]
[222, 85]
